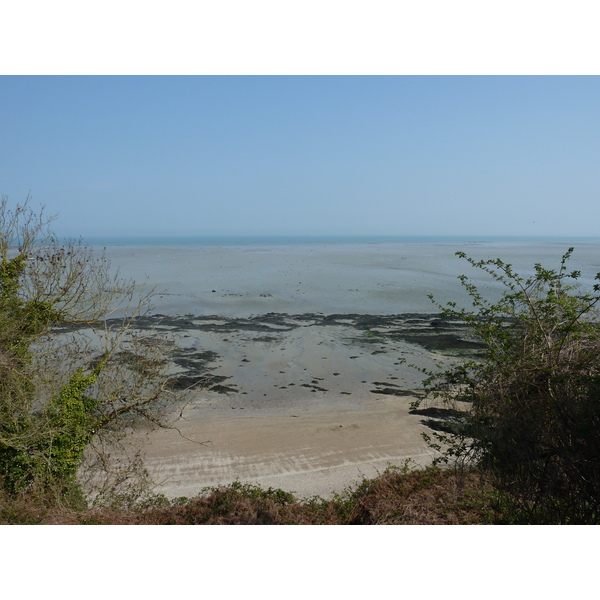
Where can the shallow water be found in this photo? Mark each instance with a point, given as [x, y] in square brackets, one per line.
[243, 280]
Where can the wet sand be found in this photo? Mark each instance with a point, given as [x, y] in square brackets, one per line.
[375, 279]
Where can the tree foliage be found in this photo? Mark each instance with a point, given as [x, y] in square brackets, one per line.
[528, 410]
[68, 381]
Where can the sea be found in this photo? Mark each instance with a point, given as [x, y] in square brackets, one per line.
[292, 240]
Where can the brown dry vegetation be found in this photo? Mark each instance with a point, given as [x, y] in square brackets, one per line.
[430, 496]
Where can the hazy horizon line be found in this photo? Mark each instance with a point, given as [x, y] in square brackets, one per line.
[276, 239]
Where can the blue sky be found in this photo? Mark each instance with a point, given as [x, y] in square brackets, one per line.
[303, 155]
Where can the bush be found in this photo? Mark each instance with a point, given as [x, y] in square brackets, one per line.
[528, 410]
[64, 390]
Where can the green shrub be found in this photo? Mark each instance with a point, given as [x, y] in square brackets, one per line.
[529, 410]
[59, 390]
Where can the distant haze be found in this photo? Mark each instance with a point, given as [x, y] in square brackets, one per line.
[298, 156]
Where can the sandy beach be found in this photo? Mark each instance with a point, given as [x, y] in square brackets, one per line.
[305, 358]
[306, 403]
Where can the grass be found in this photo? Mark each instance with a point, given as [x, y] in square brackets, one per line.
[429, 496]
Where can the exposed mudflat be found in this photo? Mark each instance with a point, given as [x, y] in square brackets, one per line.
[305, 358]
[309, 403]
[311, 351]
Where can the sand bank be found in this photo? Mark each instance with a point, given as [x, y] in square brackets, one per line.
[306, 449]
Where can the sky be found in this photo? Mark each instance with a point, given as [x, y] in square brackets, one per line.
[305, 155]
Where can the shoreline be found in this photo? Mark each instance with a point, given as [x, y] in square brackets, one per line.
[308, 403]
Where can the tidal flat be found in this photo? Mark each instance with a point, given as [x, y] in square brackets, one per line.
[305, 358]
